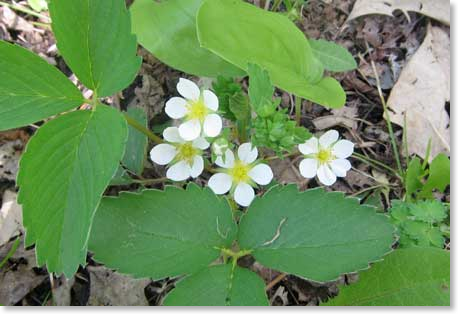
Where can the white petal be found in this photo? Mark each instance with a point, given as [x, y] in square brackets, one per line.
[340, 167]
[220, 183]
[261, 174]
[179, 171]
[188, 89]
[325, 175]
[247, 153]
[309, 147]
[308, 168]
[329, 138]
[244, 194]
[200, 143]
[210, 100]
[228, 161]
[190, 130]
[172, 135]
[175, 108]
[213, 125]
[163, 154]
[197, 167]
[343, 149]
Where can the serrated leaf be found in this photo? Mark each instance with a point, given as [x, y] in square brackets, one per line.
[428, 211]
[333, 57]
[242, 33]
[260, 88]
[407, 277]
[165, 233]
[439, 176]
[240, 107]
[218, 286]
[25, 96]
[422, 233]
[168, 30]
[65, 169]
[399, 211]
[314, 234]
[95, 39]
[137, 142]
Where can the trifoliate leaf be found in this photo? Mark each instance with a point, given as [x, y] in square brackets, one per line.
[218, 286]
[406, 277]
[31, 89]
[65, 169]
[137, 142]
[439, 176]
[168, 30]
[314, 234]
[95, 39]
[164, 233]
[333, 57]
[243, 33]
[428, 211]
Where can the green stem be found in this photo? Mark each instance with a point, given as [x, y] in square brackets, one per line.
[235, 255]
[10, 253]
[150, 181]
[276, 5]
[298, 107]
[24, 10]
[373, 162]
[388, 119]
[135, 124]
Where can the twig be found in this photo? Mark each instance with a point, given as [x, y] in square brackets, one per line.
[275, 281]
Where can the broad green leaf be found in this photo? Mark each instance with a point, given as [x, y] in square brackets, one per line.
[137, 142]
[168, 30]
[439, 176]
[218, 286]
[31, 89]
[314, 234]
[67, 165]
[414, 174]
[164, 233]
[407, 277]
[242, 33]
[95, 39]
[333, 57]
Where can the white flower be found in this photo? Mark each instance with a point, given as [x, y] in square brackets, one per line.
[240, 174]
[326, 157]
[197, 109]
[185, 157]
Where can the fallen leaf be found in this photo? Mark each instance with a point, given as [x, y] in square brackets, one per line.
[10, 217]
[420, 94]
[436, 9]
[17, 277]
[14, 21]
[111, 288]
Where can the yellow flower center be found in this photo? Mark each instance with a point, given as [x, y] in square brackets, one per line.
[197, 110]
[186, 152]
[324, 156]
[240, 172]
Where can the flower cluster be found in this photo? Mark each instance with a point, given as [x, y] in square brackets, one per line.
[185, 145]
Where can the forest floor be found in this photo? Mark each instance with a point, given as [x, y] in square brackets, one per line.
[387, 43]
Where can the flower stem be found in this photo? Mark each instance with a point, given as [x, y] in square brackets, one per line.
[138, 126]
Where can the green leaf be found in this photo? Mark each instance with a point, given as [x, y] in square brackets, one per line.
[414, 174]
[165, 233]
[422, 233]
[407, 277]
[429, 211]
[137, 142]
[333, 57]
[168, 30]
[65, 169]
[242, 33]
[121, 177]
[95, 39]
[399, 211]
[439, 176]
[260, 89]
[225, 89]
[314, 234]
[240, 107]
[218, 286]
[31, 89]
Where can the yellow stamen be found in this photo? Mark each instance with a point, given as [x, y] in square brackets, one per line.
[240, 172]
[197, 110]
[324, 156]
[186, 152]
